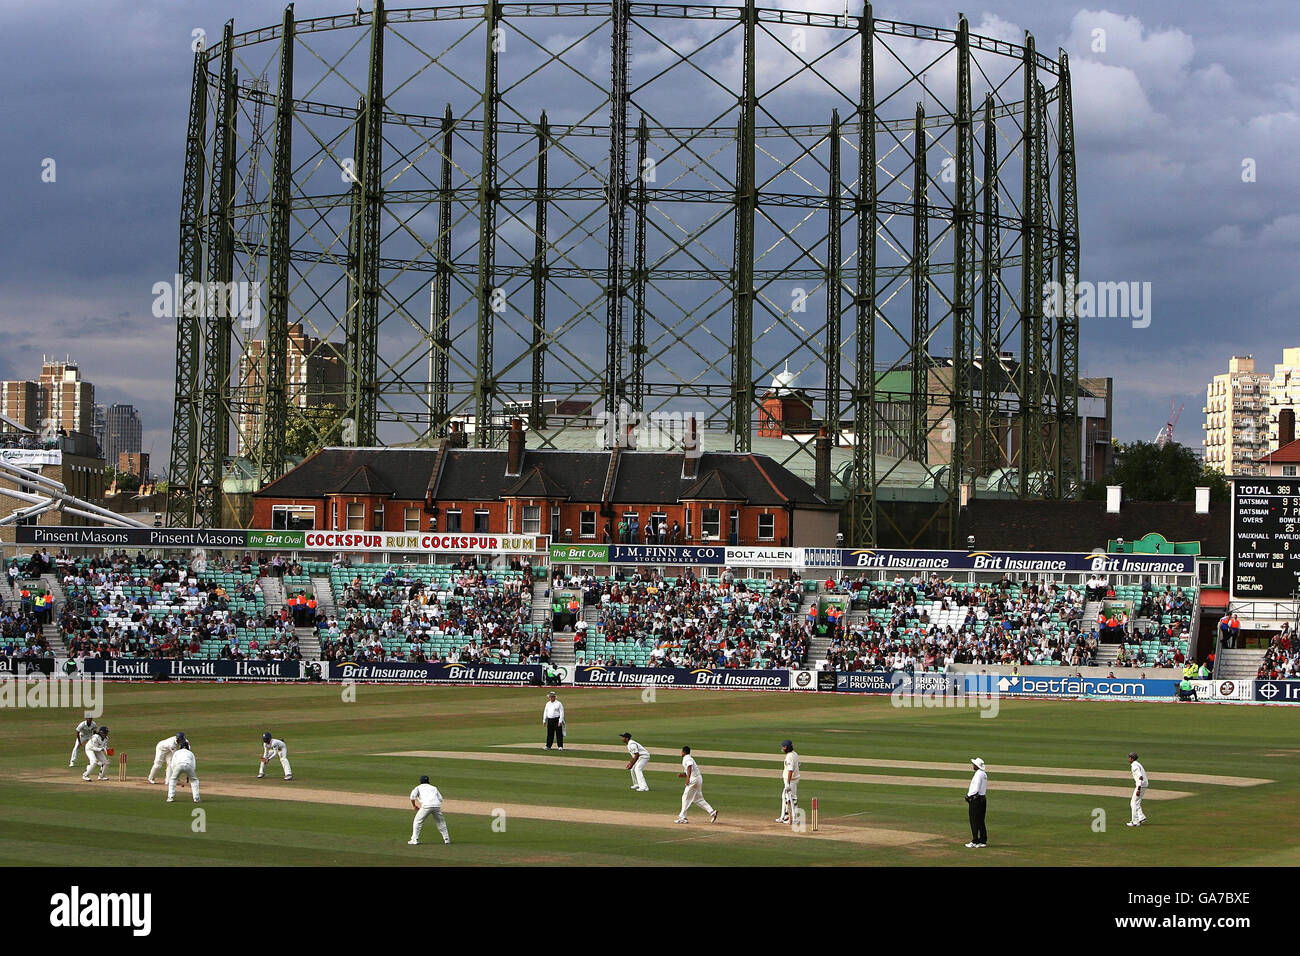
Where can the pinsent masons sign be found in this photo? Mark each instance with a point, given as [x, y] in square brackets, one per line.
[239, 539]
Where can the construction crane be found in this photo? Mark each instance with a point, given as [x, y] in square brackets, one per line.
[1166, 434]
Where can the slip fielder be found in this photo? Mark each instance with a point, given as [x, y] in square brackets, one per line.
[162, 755]
[85, 730]
[182, 762]
[1140, 784]
[97, 754]
[694, 792]
[273, 747]
[426, 799]
[789, 784]
[640, 757]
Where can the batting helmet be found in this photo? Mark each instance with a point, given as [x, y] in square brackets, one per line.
[267, 736]
[787, 745]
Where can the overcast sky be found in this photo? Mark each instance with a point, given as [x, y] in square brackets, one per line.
[1165, 118]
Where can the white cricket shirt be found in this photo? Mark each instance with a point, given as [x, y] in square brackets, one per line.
[636, 750]
[979, 784]
[553, 709]
[183, 759]
[428, 795]
[691, 767]
[791, 770]
[85, 731]
[167, 746]
[1139, 774]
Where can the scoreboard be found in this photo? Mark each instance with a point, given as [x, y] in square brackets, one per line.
[1265, 560]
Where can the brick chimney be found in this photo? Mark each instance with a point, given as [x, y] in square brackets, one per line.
[691, 451]
[822, 474]
[1285, 427]
[457, 438]
[515, 448]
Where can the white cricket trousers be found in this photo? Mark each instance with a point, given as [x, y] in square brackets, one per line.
[96, 758]
[438, 820]
[638, 773]
[174, 771]
[162, 760]
[284, 762]
[693, 795]
[789, 800]
[1136, 804]
[76, 749]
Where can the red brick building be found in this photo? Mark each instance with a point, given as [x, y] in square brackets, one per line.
[732, 498]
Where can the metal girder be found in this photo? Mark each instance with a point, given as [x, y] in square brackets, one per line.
[834, 282]
[539, 276]
[862, 529]
[991, 451]
[214, 434]
[189, 352]
[963, 278]
[1049, 400]
[484, 385]
[640, 204]
[616, 185]
[1030, 412]
[363, 390]
[918, 432]
[1069, 465]
[445, 269]
[743, 291]
[275, 379]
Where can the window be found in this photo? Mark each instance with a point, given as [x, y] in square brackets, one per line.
[766, 527]
[532, 519]
[356, 517]
[587, 524]
[711, 523]
[686, 524]
[555, 522]
[481, 520]
[734, 526]
[293, 517]
[1288, 471]
[379, 518]
[334, 515]
[659, 524]
[453, 520]
[411, 519]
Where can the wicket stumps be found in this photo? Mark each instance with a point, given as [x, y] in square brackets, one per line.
[814, 814]
[121, 766]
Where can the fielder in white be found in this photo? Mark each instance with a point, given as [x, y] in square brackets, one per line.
[182, 762]
[789, 784]
[640, 757]
[97, 754]
[272, 747]
[162, 755]
[85, 730]
[694, 792]
[426, 800]
[1140, 785]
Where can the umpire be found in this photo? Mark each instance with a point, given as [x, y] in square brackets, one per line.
[553, 718]
[977, 804]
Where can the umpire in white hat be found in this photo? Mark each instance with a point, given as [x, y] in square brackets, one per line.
[977, 804]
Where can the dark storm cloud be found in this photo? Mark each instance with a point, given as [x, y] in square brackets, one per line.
[1165, 117]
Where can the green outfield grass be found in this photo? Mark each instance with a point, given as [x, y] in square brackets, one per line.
[49, 817]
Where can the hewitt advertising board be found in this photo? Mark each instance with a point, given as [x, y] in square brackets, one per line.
[680, 677]
[128, 668]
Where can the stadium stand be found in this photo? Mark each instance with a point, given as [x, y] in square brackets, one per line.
[657, 621]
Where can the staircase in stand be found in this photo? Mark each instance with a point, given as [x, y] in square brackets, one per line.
[272, 593]
[51, 631]
[308, 643]
[324, 593]
[1237, 663]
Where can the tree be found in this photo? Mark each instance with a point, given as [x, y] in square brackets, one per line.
[125, 482]
[1151, 472]
[310, 429]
